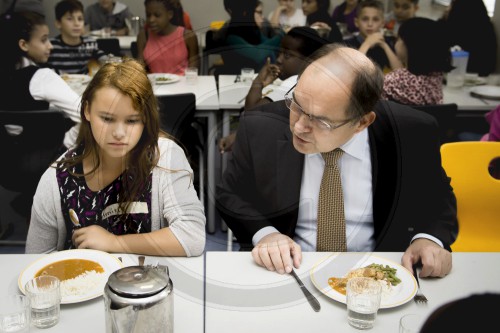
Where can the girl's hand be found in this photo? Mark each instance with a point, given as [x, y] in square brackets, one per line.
[95, 237]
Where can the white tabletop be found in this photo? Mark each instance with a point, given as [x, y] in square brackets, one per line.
[465, 102]
[243, 297]
[89, 316]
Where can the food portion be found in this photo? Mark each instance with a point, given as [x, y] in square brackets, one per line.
[163, 79]
[384, 274]
[78, 276]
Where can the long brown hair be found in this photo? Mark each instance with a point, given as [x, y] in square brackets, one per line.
[128, 77]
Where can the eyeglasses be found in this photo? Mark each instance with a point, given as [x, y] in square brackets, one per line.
[316, 122]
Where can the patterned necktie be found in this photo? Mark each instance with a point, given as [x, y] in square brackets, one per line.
[331, 234]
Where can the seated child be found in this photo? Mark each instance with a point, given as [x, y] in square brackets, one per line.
[72, 51]
[402, 10]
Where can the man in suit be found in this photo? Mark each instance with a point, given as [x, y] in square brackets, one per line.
[396, 195]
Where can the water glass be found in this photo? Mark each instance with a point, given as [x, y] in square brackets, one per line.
[247, 75]
[191, 74]
[106, 32]
[363, 301]
[411, 323]
[44, 293]
[14, 314]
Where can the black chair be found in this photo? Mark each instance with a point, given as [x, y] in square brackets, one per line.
[134, 50]
[177, 118]
[29, 151]
[445, 115]
[109, 45]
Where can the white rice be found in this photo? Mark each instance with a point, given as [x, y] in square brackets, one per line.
[82, 284]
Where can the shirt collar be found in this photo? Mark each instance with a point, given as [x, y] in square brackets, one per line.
[355, 147]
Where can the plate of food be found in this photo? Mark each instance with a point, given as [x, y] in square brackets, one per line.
[488, 92]
[330, 276]
[76, 78]
[83, 273]
[164, 78]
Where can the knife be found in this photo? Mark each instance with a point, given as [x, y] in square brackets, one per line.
[310, 298]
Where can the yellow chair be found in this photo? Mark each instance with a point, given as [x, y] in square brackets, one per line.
[477, 192]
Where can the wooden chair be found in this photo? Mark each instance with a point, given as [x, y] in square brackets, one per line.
[469, 165]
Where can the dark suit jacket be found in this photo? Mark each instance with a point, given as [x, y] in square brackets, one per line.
[411, 192]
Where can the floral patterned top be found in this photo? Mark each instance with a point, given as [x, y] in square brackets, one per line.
[403, 87]
[83, 207]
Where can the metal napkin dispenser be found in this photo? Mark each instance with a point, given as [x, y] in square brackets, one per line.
[139, 299]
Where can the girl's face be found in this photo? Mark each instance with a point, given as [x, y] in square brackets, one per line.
[38, 47]
[309, 6]
[404, 10]
[158, 17]
[401, 51]
[259, 15]
[369, 21]
[289, 4]
[116, 126]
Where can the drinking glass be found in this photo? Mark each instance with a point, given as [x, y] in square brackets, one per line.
[410, 323]
[106, 32]
[44, 293]
[15, 314]
[247, 75]
[191, 74]
[363, 301]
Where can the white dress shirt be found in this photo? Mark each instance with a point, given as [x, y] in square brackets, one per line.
[356, 176]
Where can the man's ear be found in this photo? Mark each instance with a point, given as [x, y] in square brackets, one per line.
[23, 45]
[366, 121]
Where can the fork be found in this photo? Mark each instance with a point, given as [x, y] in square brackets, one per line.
[419, 296]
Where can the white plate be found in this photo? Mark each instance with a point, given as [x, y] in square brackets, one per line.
[108, 262]
[339, 264]
[165, 78]
[491, 92]
[76, 78]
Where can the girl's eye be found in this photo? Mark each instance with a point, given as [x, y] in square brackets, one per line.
[106, 119]
[133, 121]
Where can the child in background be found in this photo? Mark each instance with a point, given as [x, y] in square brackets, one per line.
[371, 40]
[286, 16]
[317, 17]
[24, 85]
[425, 60]
[346, 13]
[126, 187]
[163, 46]
[72, 51]
[264, 25]
[402, 10]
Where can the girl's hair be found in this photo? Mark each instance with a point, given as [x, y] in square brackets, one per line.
[242, 21]
[13, 28]
[429, 54]
[323, 5]
[130, 79]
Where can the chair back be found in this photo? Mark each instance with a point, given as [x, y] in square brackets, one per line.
[468, 164]
[109, 45]
[26, 155]
[445, 114]
[134, 49]
[177, 113]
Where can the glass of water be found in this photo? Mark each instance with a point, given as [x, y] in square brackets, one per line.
[247, 75]
[363, 301]
[15, 314]
[191, 74]
[44, 293]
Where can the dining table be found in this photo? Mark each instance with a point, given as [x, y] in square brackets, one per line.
[228, 292]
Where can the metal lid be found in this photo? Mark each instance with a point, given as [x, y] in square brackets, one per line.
[138, 281]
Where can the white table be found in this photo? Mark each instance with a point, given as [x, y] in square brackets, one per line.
[242, 297]
[465, 102]
[186, 274]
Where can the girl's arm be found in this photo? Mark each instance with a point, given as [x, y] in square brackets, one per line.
[192, 45]
[394, 61]
[141, 44]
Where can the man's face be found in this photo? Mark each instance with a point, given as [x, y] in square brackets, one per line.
[369, 21]
[290, 61]
[323, 94]
[404, 10]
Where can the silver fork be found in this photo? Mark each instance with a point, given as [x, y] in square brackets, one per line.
[419, 297]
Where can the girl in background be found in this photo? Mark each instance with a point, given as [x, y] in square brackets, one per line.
[286, 16]
[318, 18]
[24, 85]
[163, 46]
[346, 13]
[425, 60]
[126, 187]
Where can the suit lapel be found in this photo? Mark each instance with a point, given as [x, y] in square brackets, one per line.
[289, 167]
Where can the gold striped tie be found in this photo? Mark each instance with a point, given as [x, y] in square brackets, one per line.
[331, 234]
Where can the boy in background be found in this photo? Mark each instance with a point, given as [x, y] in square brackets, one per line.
[72, 51]
[402, 10]
[371, 40]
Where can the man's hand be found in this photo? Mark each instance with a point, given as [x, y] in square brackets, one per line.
[94, 237]
[276, 252]
[436, 261]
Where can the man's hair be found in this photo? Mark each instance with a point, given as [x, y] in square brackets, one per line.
[370, 4]
[67, 6]
[310, 40]
[367, 84]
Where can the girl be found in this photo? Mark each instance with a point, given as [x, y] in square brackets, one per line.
[24, 85]
[318, 18]
[126, 187]
[425, 61]
[286, 16]
[346, 13]
[163, 46]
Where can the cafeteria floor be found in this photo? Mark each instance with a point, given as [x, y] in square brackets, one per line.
[13, 229]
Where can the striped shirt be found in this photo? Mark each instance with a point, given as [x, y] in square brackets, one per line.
[71, 59]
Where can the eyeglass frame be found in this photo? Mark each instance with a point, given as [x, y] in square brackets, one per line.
[328, 127]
